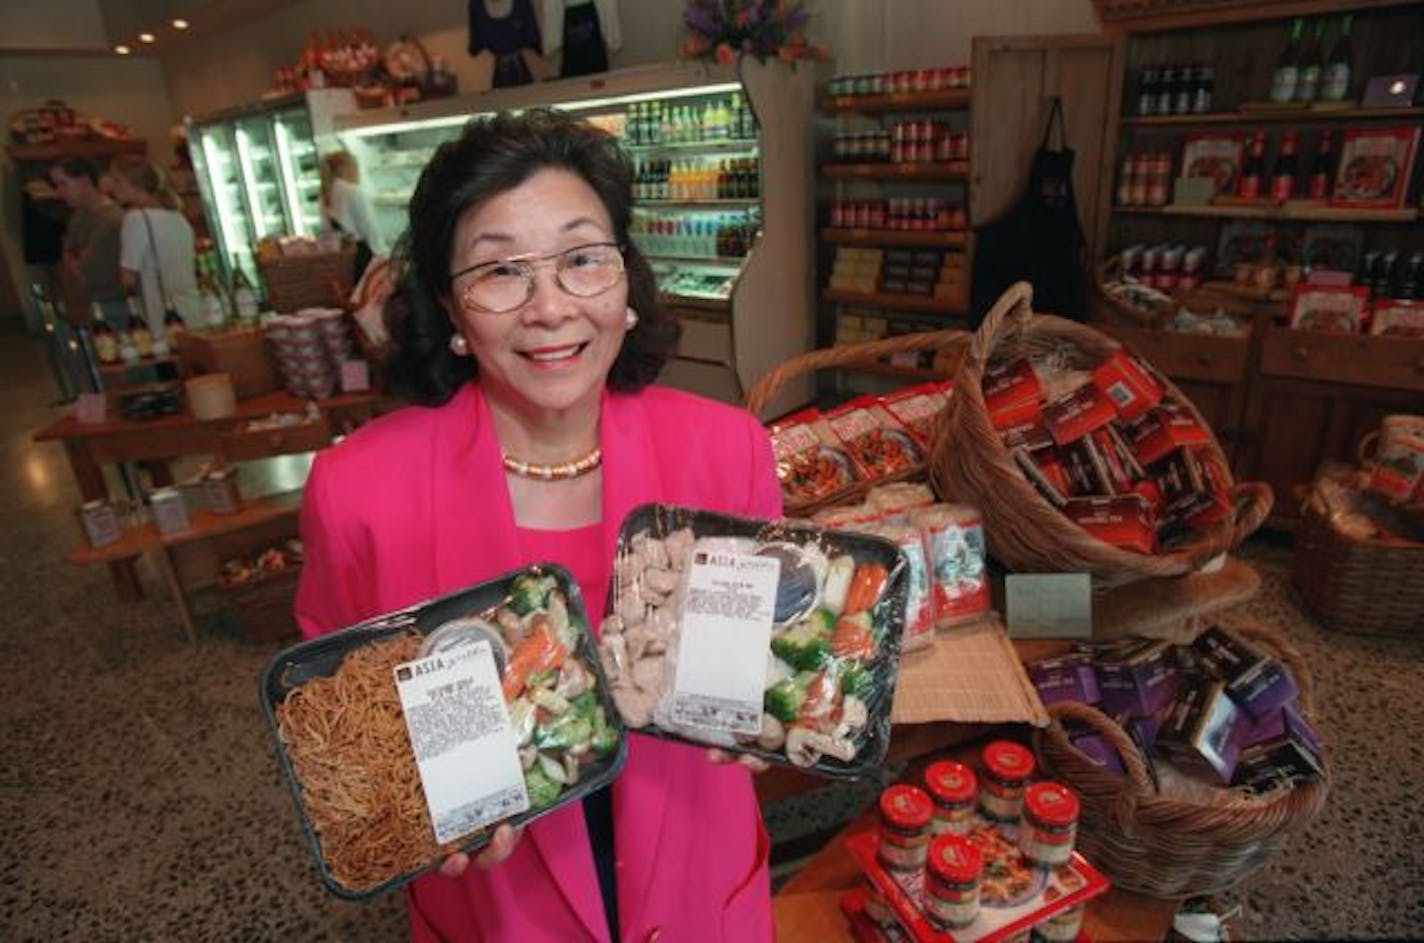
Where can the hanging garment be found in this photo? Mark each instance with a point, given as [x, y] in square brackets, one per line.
[1039, 239]
[505, 28]
[551, 23]
[584, 51]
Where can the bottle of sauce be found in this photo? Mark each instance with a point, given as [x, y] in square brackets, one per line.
[1322, 170]
[106, 341]
[1252, 169]
[1286, 76]
[1286, 169]
[1339, 66]
[1312, 62]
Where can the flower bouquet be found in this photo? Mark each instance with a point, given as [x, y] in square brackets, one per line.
[725, 29]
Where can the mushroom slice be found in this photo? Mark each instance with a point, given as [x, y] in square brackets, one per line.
[772, 735]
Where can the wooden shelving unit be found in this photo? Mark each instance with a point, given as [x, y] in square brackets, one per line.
[938, 170]
[1284, 116]
[943, 100]
[956, 239]
[202, 524]
[1281, 212]
[59, 150]
[924, 304]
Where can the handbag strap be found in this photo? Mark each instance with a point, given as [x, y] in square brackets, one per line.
[1055, 117]
[157, 261]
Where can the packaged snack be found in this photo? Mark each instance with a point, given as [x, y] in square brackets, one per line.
[1127, 384]
[1077, 414]
[1087, 471]
[919, 597]
[1199, 731]
[1012, 394]
[810, 462]
[876, 442]
[1397, 317]
[1069, 677]
[1259, 684]
[917, 408]
[1125, 521]
[895, 500]
[777, 639]
[370, 721]
[1397, 472]
[1044, 470]
[955, 551]
[847, 516]
[1169, 426]
[1136, 679]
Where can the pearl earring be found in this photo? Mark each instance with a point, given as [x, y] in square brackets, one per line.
[458, 345]
[632, 319]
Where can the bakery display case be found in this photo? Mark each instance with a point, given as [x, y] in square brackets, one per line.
[258, 169]
[724, 186]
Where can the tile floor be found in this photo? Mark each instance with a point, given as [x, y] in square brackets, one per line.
[140, 801]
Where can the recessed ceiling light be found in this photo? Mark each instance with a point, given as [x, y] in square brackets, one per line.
[180, 24]
[146, 37]
[122, 50]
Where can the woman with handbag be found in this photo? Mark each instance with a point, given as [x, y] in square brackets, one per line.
[156, 251]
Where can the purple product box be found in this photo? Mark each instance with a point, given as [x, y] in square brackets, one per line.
[1199, 731]
[1066, 678]
[1139, 680]
[1280, 748]
[1097, 748]
[1256, 682]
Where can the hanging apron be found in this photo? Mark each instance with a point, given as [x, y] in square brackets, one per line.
[1039, 239]
[584, 49]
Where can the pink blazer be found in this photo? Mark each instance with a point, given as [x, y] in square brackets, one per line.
[414, 505]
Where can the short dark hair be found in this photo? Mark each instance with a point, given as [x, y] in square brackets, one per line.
[76, 167]
[492, 156]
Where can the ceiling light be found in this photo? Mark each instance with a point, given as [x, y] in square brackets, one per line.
[180, 24]
[122, 50]
[146, 37]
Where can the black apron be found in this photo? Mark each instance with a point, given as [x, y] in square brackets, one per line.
[584, 50]
[1038, 240]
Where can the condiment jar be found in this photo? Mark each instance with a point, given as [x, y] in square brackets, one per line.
[953, 875]
[877, 908]
[1050, 824]
[953, 787]
[1008, 767]
[905, 814]
[1062, 927]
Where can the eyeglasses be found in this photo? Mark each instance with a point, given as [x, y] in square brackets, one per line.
[501, 286]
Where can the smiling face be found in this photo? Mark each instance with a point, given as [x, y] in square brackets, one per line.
[552, 353]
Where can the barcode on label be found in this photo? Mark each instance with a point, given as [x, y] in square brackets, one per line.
[480, 812]
[717, 713]
[1120, 393]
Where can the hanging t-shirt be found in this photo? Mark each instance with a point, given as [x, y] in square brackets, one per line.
[161, 250]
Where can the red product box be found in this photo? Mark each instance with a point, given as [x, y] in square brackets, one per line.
[1012, 394]
[916, 408]
[1131, 388]
[810, 462]
[1028, 435]
[1397, 317]
[1167, 427]
[1121, 469]
[1044, 471]
[1179, 477]
[877, 443]
[1087, 471]
[1125, 521]
[1079, 413]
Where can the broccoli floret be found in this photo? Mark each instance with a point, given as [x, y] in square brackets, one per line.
[564, 732]
[542, 790]
[585, 704]
[804, 646]
[822, 620]
[605, 737]
[783, 699]
[528, 593]
[856, 679]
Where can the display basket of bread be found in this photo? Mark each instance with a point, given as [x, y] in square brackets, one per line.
[1194, 764]
[1083, 457]
[306, 274]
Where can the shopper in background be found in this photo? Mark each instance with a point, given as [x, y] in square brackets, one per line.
[91, 240]
[156, 251]
[345, 208]
[526, 328]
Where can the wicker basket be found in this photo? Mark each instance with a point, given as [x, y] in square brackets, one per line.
[316, 280]
[1169, 846]
[1118, 308]
[1025, 532]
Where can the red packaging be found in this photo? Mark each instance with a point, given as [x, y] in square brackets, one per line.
[1168, 426]
[1130, 387]
[1044, 471]
[1120, 471]
[916, 408]
[877, 443]
[1125, 521]
[1397, 317]
[1012, 394]
[810, 463]
[1026, 435]
[955, 554]
[1087, 472]
[1079, 413]
[1179, 477]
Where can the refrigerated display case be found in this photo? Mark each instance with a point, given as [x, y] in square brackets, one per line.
[724, 185]
[258, 169]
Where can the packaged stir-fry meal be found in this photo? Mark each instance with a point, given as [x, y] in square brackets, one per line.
[778, 639]
[412, 735]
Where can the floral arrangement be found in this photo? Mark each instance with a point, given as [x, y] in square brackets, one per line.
[725, 29]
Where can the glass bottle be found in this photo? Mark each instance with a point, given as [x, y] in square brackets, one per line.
[1312, 57]
[106, 341]
[137, 329]
[1322, 169]
[244, 296]
[1252, 169]
[1147, 91]
[1166, 90]
[1202, 99]
[1186, 89]
[1286, 168]
[1339, 65]
[1287, 73]
[211, 306]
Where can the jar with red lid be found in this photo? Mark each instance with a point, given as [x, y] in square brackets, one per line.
[1062, 927]
[1008, 767]
[1050, 824]
[954, 874]
[953, 787]
[905, 816]
[877, 908]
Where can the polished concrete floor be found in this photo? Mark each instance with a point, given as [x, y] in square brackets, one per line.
[140, 801]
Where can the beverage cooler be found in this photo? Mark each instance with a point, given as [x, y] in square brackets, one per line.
[258, 169]
[724, 212]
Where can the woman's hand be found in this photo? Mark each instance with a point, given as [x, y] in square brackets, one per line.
[506, 837]
[755, 764]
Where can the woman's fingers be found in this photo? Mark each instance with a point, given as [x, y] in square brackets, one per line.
[455, 865]
[755, 764]
[506, 837]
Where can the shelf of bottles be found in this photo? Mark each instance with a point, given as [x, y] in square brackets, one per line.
[261, 176]
[220, 162]
[298, 163]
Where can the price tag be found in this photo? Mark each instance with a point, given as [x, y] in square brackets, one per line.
[1049, 605]
[464, 746]
[726, 630]
[355, 376]
[91, 407]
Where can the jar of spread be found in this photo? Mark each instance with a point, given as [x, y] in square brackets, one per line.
[1062, 927]
[1050, 824]
[877, 908]
[905, 815]
[953, 787]
[953, 875]
[1008, 767]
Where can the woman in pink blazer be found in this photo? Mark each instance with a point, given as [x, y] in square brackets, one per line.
[527, 330]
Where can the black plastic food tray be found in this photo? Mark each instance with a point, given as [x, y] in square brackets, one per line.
[320, 657]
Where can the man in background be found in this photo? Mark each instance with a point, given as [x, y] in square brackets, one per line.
[91, 242]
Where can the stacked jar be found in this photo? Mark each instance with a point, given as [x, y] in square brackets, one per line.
[1007, 769]
[953, 878]
[953, 787]
[906, 814]
[1050, 825]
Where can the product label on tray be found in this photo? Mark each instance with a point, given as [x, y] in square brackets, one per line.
[463, 742]
[726, 632]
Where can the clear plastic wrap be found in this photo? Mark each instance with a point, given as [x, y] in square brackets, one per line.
[834, 649]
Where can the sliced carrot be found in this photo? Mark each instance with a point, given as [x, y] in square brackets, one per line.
[865, 587]
[852, 639]
[537, 651]
[821, 697]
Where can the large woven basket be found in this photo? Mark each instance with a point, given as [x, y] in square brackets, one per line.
[316, 280]
[1026, 533]
[1165, 845]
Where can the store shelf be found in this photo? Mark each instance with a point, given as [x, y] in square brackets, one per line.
[895, 237]
[684, 147]
[1283, 116]
[1311, 213]
[732, 261]
[749, 201]
[947, 170]
[924, 304]
[203, 524]
[62, 149]
[899, 101]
